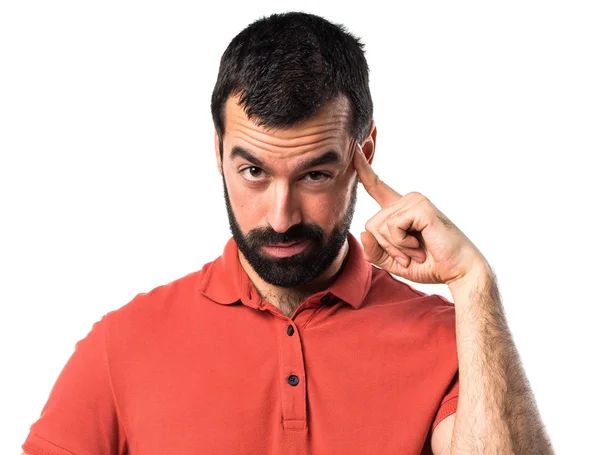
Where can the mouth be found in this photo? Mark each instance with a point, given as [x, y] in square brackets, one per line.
[283, 250]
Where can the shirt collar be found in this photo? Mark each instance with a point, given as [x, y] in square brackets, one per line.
[225, 281]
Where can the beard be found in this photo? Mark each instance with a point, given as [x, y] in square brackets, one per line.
[301, 268]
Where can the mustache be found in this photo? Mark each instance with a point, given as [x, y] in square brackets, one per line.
[299, 232]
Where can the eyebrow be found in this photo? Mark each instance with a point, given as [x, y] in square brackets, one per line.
[330, 157]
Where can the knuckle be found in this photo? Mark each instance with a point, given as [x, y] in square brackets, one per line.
[391, 224]
[399, 214]
[397, 234]
[420, 198]
[378, 180]
[416, 195]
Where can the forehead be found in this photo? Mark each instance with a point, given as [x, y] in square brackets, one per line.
[327, 130]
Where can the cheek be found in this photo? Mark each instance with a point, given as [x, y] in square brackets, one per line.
[328, 209]
[246, 207]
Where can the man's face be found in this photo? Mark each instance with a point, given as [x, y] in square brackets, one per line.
[294, 188]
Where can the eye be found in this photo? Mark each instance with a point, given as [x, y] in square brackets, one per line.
[252, 173]
[317, 177]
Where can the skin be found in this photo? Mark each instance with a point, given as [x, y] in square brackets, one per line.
[282, 195]
[413, 239]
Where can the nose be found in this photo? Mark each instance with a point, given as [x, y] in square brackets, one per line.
[283, 211]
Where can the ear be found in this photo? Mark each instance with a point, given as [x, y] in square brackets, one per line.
[368, 145]
[218, 154]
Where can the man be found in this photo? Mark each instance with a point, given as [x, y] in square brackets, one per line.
[298, 340]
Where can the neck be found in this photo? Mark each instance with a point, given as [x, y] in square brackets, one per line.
[288, 299]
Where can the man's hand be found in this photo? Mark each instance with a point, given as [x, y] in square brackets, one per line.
[411, 238]
[497, 412]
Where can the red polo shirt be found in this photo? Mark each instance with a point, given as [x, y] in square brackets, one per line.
[203, 365]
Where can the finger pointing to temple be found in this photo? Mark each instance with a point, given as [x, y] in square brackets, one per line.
[380, 191]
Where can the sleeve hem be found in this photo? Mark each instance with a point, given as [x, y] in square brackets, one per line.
[36, 445]
[449, 407]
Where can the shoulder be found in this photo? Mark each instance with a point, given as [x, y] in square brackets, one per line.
[387, 290]
[386, 287]
[146, 310]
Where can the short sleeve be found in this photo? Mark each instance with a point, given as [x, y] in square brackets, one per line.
[448, 404]
[80, 416]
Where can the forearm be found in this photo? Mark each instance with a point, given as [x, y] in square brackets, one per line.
[496, 412]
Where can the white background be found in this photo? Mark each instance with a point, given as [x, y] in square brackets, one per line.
[108, 183]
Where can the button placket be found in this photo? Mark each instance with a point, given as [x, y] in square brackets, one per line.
[293, 378]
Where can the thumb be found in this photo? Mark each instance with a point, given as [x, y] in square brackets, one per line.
[373, 251]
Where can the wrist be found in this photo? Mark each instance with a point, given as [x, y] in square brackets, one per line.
[478, 275]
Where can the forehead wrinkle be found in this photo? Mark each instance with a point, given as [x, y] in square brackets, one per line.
[326, 131]
[330, 121]
[283, 137]
[289, 150]
[284, 146]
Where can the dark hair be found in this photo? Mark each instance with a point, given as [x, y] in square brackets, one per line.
[287, 66]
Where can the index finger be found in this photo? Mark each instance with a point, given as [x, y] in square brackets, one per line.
[384, 194]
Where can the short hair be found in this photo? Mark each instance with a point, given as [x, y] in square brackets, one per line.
[285, 67]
